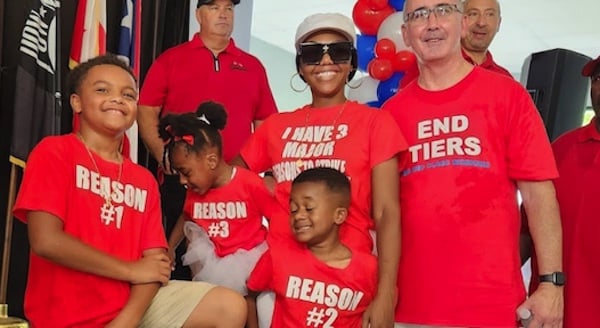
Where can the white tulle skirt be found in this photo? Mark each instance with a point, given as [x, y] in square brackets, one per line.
[230, 271]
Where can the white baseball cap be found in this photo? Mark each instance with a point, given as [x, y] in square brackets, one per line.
[325, 21]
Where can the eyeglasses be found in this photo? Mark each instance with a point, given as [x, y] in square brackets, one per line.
[312, 53]
[421, 15]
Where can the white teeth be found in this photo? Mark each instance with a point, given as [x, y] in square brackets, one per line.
[326, 73]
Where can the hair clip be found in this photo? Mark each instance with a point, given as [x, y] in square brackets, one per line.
[188, 139]
[203, 119]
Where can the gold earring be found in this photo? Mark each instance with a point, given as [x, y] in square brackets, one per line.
[360, 82]
[299, 90]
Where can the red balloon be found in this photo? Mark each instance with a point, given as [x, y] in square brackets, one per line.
[377, 4]
[380, 69]
[368, 20]
[410, 75]
[385, 48]
[403, 60]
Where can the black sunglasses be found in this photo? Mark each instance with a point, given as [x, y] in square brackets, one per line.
[311, 53]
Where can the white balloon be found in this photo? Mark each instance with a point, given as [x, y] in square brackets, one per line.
[366, 90]
[391, 28]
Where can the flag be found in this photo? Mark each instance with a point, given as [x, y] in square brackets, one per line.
[89, 32]
[89, 36]
[129, 50]
[129, 40]
[36, 109]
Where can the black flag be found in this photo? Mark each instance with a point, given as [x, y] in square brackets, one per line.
[36, 93]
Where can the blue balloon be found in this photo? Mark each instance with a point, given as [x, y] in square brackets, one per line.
[365, 48]
[397, 4]
[374, 104]
[389, 87]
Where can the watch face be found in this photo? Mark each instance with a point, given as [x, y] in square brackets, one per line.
[558, 278]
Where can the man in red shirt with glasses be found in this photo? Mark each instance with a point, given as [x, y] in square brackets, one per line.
[474, 138]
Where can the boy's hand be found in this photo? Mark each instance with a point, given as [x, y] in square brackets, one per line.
[171, 254]
[172, 257]
[150, 268]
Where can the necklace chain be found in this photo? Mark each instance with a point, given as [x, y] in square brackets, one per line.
[106, 194]
[337, 116]
[300, 162]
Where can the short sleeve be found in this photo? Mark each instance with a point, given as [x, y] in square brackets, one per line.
[529, 154]
[46, 182]
[153, 235]
[266, 105]
[154, 88]
[260, 278]
[386, 140]
[255, 151]
[263, 198]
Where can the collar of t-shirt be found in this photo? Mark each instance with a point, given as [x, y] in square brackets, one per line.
[589, 132]
[231, 47]
[488, 63]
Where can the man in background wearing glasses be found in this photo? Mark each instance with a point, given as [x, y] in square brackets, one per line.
[483, 22]
[474, 138]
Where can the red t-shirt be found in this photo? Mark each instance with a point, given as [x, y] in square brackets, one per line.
[309, 293]
[578, 158]
[62, 180]
[352, 138]
[232, 214]
[468, 145]
[188, 74]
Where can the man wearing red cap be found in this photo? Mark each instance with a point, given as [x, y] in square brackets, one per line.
[577, 155]
[208, 67]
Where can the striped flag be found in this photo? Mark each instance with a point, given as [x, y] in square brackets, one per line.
[36, 108]
[89, 36]
[89, 40]
[89, 32]
[129, 40]
[129, 50]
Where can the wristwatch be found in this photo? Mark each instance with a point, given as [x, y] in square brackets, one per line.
[556, 278]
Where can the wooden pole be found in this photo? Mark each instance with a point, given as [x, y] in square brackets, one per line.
[12, 191]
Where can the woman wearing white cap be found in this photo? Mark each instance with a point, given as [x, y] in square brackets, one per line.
[331, 131]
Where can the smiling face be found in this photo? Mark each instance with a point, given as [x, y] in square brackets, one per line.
[315, 213]
[326, 79]
[436, 37]
[216, 19]
[196, 169]
[483, 21]
[106, 99]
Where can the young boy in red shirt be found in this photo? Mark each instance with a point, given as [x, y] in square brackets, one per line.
[317, 280]
[98, 249]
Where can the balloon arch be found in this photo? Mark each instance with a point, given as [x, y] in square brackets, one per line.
[382, 53]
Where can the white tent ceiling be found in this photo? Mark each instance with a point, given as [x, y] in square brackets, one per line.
[528, 26]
